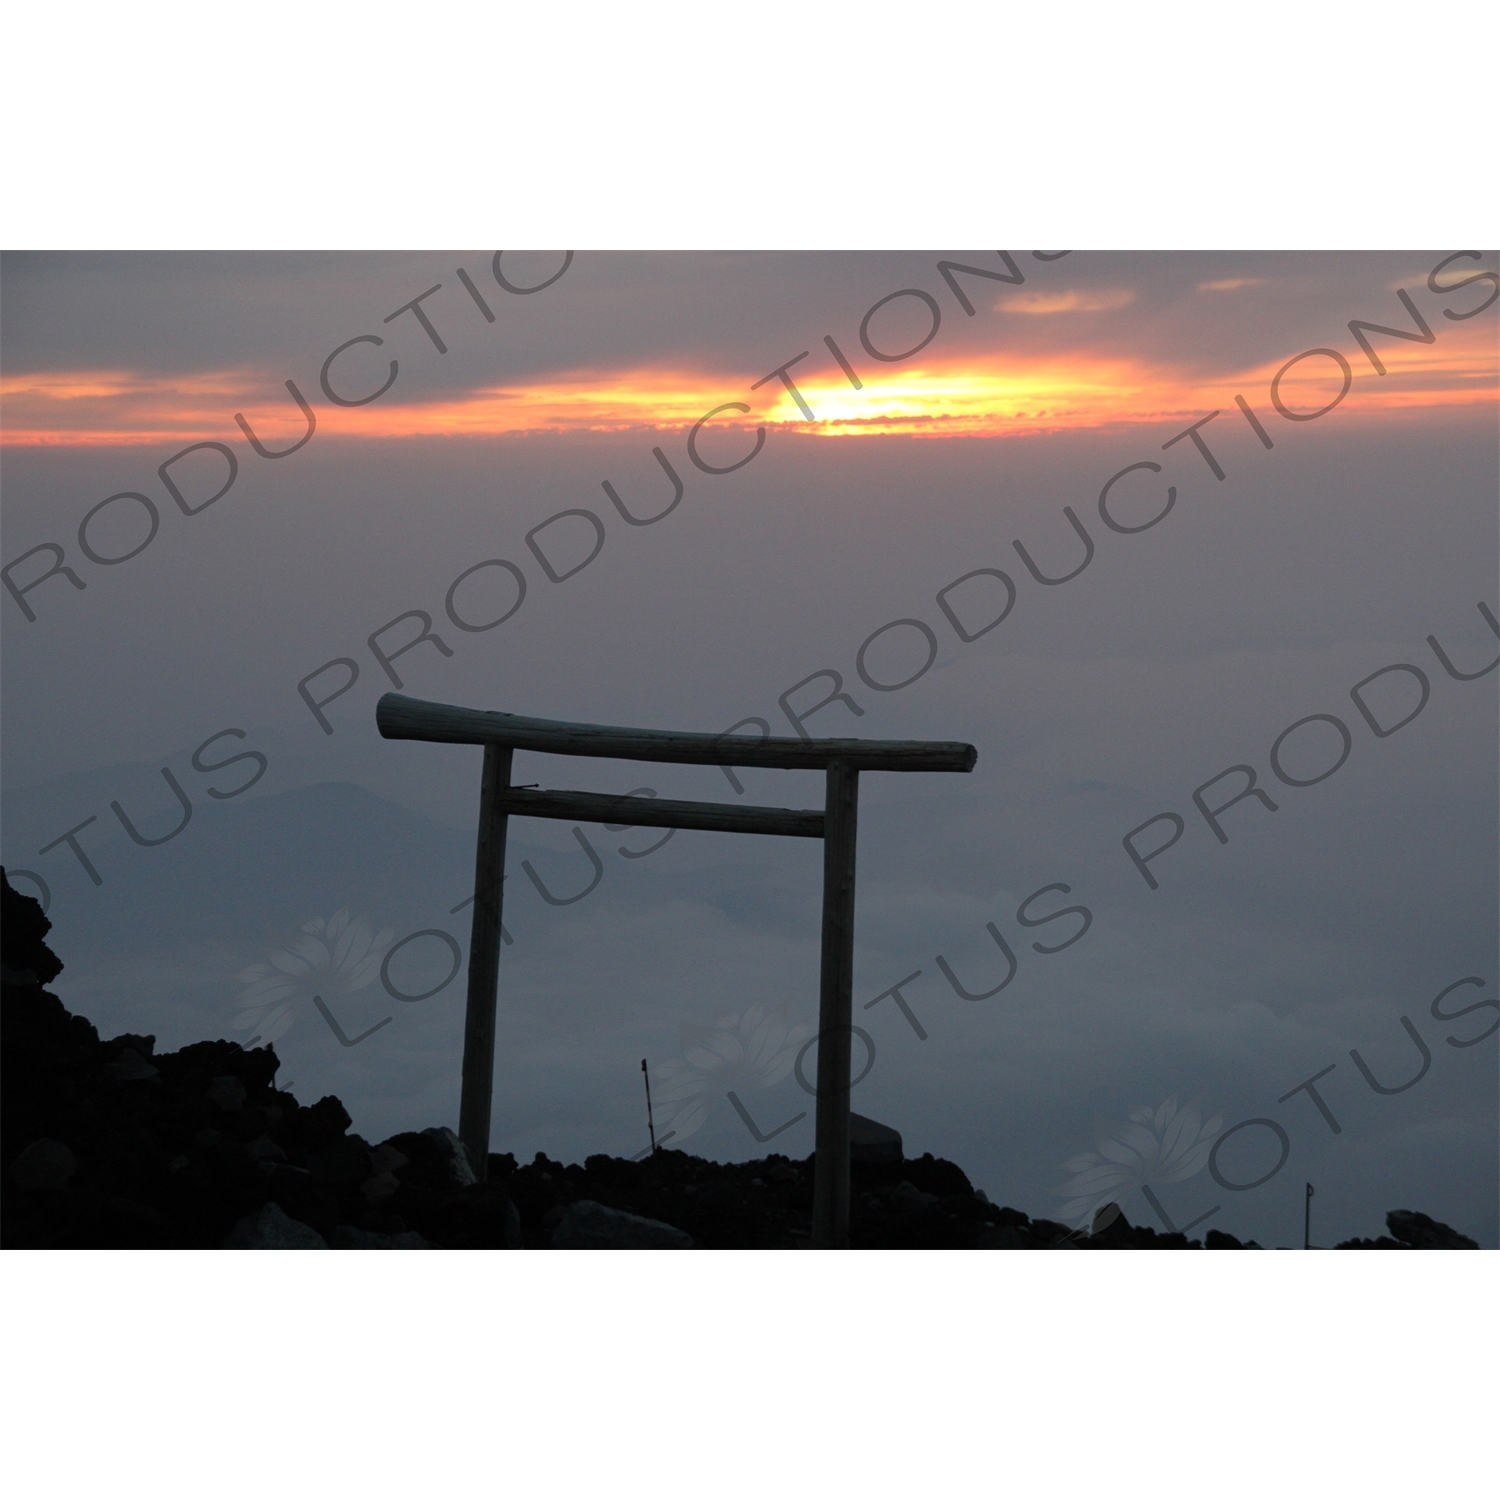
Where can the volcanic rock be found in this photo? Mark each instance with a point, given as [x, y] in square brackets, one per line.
[23, 926]
[388, 1159]
[455, 1156]
[1413, 1231]
[591, 1226]
[347, 1161]
[108, 1145]
[1111, 1227]
[130, 1067]
[911, 1199]
[1422, 1233]
[1005, 1237]
[270, 1229]
[382, 1185]
[347, 1237]
[43, 1164]
[227, 1092]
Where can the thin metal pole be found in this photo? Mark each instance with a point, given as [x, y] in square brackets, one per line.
[830, 1224]
[484, 963]
[1307, 1219]
[650, 1124]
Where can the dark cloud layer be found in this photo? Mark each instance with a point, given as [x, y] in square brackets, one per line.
[738, 314]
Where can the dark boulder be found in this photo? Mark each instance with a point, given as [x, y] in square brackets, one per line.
[586, 1225]
[1413, 1231]
[269, 1228]
[43, 1164]
[1111, 1229]
[1422, 1233]
[347, 1237]
[23, 927]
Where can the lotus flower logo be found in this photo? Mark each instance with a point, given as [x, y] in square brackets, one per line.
[1167, 1144]
[336, 956]
[749, 1051]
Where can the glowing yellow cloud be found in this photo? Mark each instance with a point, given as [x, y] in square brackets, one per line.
[999, 395]
[995, 398]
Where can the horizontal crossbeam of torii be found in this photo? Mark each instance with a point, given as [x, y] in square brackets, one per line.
[402, 718]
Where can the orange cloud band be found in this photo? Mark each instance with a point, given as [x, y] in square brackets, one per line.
[968, 398]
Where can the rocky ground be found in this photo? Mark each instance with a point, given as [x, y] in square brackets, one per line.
[109, 1145]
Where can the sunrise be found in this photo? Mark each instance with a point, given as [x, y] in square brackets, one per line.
[990, 396]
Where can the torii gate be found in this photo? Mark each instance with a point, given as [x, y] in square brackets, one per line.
[402, 718]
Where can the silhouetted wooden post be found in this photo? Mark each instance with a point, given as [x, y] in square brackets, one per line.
[484, 961]
[830, 1224]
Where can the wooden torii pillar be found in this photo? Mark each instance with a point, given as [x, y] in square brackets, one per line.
[402, 718]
